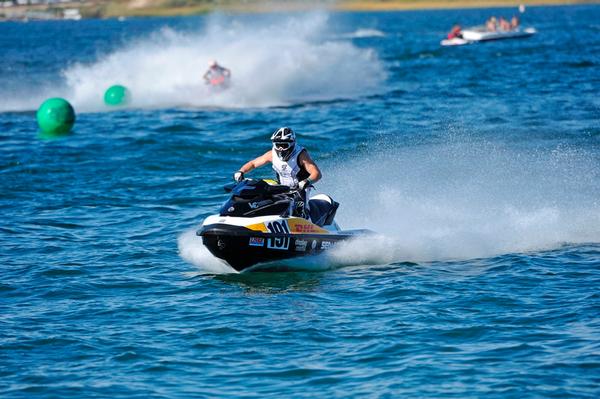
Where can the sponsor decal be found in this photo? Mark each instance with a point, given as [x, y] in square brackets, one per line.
[256, 242]
[326, 244]
[255, 205]
[301, 245]
[302, 226]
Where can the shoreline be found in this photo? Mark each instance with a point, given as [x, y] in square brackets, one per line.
[395, 5]
[162, 8]
[343, 5]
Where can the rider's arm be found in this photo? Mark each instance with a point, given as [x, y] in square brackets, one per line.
[314, 173]
[257, 162]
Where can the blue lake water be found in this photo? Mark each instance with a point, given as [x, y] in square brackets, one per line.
[479, 167]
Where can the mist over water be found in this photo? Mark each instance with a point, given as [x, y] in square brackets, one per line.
[193, 251]
[274, 61]
[460, 199]
[466, 198]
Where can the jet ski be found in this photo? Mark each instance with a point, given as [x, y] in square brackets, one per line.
[455, 41]
[219, 82]
[259, 224]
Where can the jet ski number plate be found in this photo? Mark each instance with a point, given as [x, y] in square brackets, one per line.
[278, 227]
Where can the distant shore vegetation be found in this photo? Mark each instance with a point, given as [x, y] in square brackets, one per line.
[47, 9]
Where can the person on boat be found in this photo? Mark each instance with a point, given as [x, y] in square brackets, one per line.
[490, 24]
[455, 32]
[514, 22]
[292, 164]
[216, 74]
[504, 24]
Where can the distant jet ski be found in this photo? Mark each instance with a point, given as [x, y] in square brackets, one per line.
[481, 34]
[219, 81]
[217, 76]
[455, 41]
[255, 225]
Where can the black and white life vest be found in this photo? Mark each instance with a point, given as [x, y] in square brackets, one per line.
[289, 172]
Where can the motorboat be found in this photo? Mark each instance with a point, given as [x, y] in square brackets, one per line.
[260, 223]
[481, 34]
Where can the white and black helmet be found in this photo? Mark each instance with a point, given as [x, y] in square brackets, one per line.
[284, 141]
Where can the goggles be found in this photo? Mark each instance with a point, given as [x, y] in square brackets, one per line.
[282, 145]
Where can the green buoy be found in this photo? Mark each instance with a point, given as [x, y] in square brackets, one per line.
[55, 116]
[117, 95]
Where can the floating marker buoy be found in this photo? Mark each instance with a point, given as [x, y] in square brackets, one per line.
[55, 116]
[117, 95]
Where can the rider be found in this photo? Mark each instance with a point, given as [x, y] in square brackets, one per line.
[216, 73]
[291, 162]
[455, 32]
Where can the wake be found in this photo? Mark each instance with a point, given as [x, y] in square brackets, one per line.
[275, 61]
[460, 199]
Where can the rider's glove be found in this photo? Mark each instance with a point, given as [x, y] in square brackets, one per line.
[304, 184]
[238, 176]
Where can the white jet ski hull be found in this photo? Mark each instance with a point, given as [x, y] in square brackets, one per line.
[457, 41]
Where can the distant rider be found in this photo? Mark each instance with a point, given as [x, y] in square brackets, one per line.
[291, 162]
[216, 74]
[455, 32]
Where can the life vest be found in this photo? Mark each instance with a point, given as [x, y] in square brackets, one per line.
[216, 75]
[215, 81]
[289, 172]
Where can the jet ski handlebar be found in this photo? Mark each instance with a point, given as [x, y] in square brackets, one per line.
[229, 187]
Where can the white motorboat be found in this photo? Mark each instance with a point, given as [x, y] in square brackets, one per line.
[481, 34]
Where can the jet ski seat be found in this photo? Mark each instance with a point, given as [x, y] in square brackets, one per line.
[322, 209]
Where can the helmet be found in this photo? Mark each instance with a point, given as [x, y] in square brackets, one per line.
[212, 64]
[284, 141]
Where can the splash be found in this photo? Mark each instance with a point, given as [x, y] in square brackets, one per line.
[274, 60]
[466, 198]
[460, 198]
[278, 63]
[194, 252]
[363, 33]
